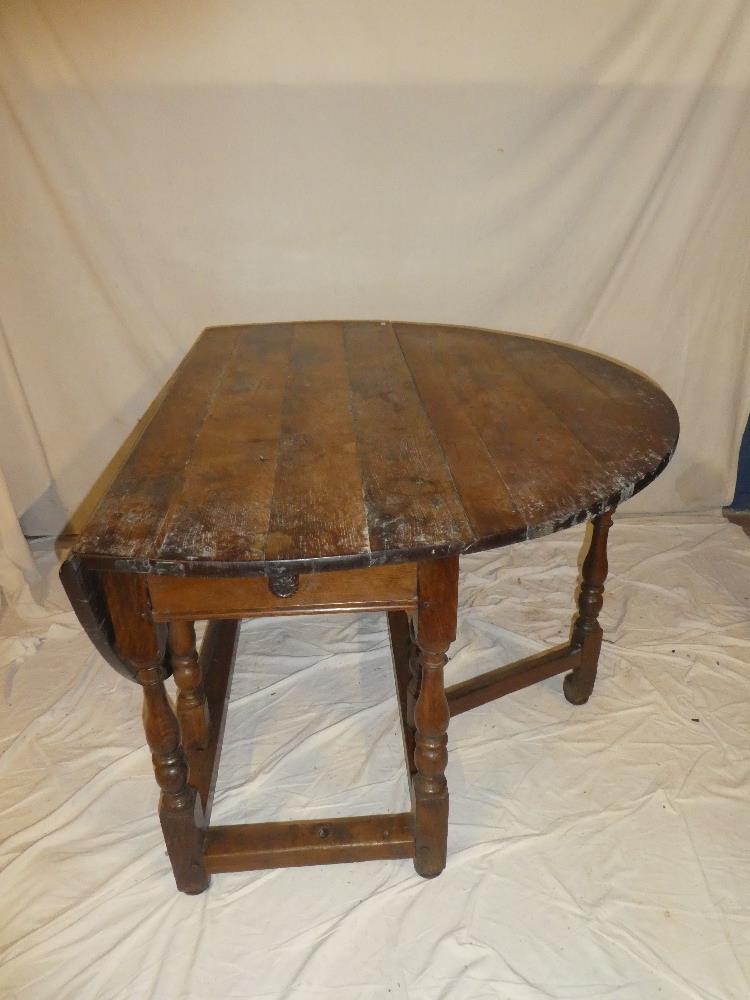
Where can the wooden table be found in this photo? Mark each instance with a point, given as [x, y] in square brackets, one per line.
[319, 467]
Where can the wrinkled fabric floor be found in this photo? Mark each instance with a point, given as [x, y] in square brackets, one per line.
[594, 852]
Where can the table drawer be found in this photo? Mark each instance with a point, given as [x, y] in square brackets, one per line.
[379, 588]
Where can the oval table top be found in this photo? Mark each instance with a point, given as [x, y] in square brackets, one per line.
[346, 444]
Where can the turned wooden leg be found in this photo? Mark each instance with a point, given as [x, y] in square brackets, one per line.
[436, 629]
[412, 692]
[139, 643]
[192, 707]
[179, 807]
[587, 632]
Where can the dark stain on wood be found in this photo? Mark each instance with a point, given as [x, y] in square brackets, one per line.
[322, 446]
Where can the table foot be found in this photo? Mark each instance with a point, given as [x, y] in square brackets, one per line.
[573, 692]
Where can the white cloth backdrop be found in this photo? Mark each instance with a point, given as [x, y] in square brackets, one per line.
[575, 170]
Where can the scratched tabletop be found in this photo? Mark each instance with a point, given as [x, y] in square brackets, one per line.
[331, 445]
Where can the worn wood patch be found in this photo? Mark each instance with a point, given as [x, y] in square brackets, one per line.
[317, 503]
[286, 448]
[409, 492]
[222, 507]
[550, 474]
[129, 516]
[484, 495]
[600, 405]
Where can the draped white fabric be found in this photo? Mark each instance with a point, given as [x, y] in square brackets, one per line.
[576, 170]
[595, 853]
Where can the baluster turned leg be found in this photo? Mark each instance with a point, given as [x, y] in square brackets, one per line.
[587, 632]
[180, 809]
[192, 707]
[436, 629]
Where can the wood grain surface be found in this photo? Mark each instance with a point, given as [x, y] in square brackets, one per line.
[338, 445]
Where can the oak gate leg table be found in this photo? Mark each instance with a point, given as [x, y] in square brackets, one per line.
[322, 467]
